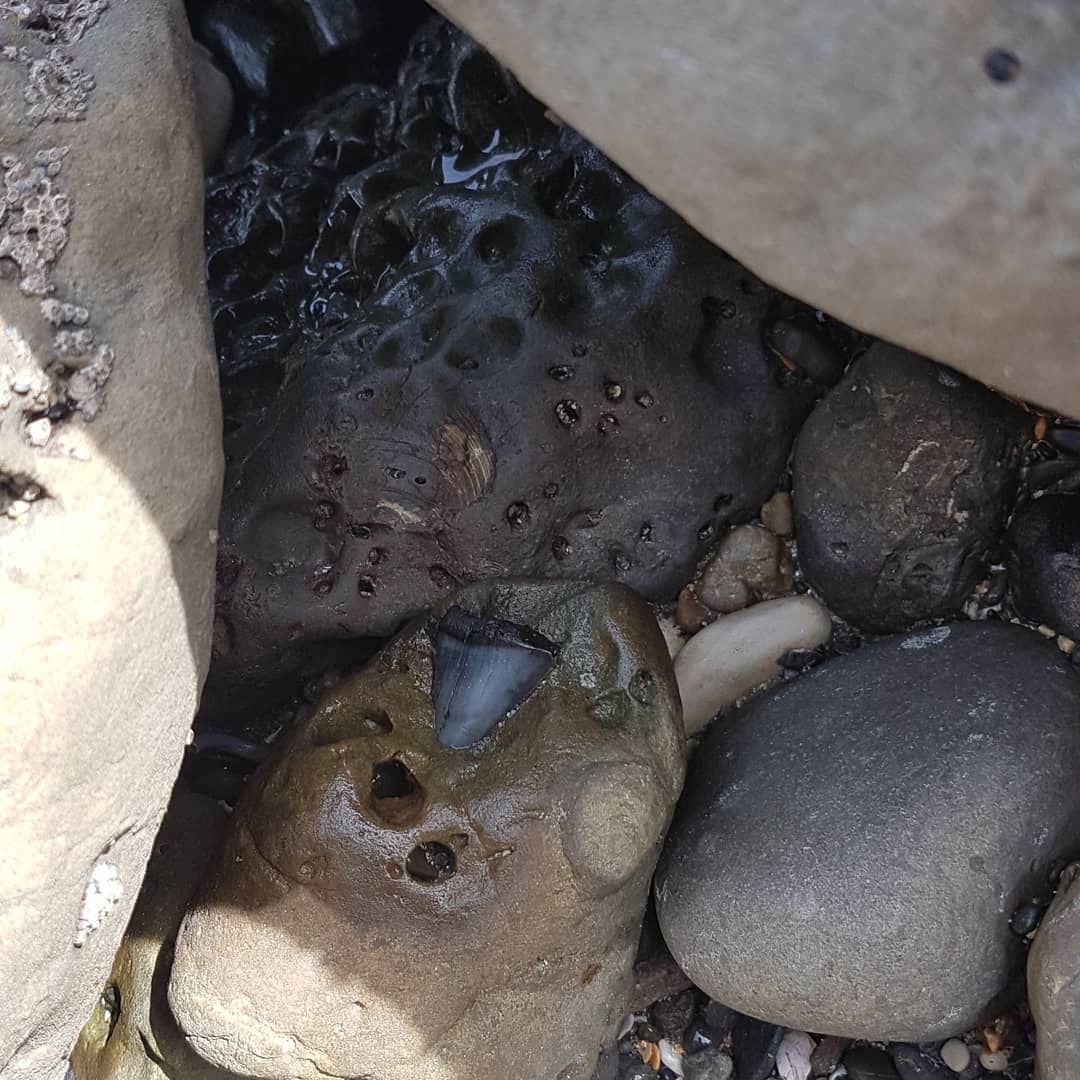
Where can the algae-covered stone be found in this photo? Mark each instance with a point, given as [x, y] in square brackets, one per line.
[437, 912]
[131, 1034]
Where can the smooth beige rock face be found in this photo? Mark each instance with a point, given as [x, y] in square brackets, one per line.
[106, 549]
[325, 946]
[856, 155]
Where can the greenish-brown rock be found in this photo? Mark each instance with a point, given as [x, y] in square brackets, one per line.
[131, 1034]
[387, 905]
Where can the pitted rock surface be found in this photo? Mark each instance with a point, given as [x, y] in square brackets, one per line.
[131, 1034]
[873, 824]
[496, 355]
[440, 914]
[910, 169]
[904, 478]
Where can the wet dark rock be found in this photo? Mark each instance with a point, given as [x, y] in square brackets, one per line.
[804, 344]
[1053, 983]
[250, 42]
[386, 367]
[914, 1064]
[1044, 562]
[279, 53]
[719, 1019]
[1066, 437]
[712, 1064]
[429, 910]
[637, 1070]
[869, 1063]
[904, 477]
[874, 823]
[1026, 917]
[827, 1055]
[673, 1015]
[753, 1047]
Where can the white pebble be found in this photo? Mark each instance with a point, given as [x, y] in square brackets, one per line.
[793, 1055]
[739, 652]
[38, 431]
[956, 1055]
[671, 1057]
[994, 1061]
[673, 637]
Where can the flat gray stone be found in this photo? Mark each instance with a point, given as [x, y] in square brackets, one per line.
[850, 847]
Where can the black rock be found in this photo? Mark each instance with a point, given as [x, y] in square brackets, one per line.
[869, 1063]
[1044, 562]
[673, 1015]
[873, 824]
[912, 1064]
[249, 44]
[711, 1064]
[903, 479]
[636, 1070]
[719, 1019]
[1066, 437]
[492, 345]
[827, 1055]
[753, 1047]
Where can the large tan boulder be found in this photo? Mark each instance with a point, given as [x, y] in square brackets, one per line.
[109, 484]
[910, 168]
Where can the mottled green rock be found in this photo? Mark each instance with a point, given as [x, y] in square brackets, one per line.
[386, 906]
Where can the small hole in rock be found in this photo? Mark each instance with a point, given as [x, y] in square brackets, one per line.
[396, 795]
[1001, 65]
[430, 862]
[377, 721]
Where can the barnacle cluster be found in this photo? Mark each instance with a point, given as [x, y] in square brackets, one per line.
[35, 214]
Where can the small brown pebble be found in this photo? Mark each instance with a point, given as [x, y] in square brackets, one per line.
[691, 614]
[750, 564]
[777, 516]
[1040, 428]
[649, 1052]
